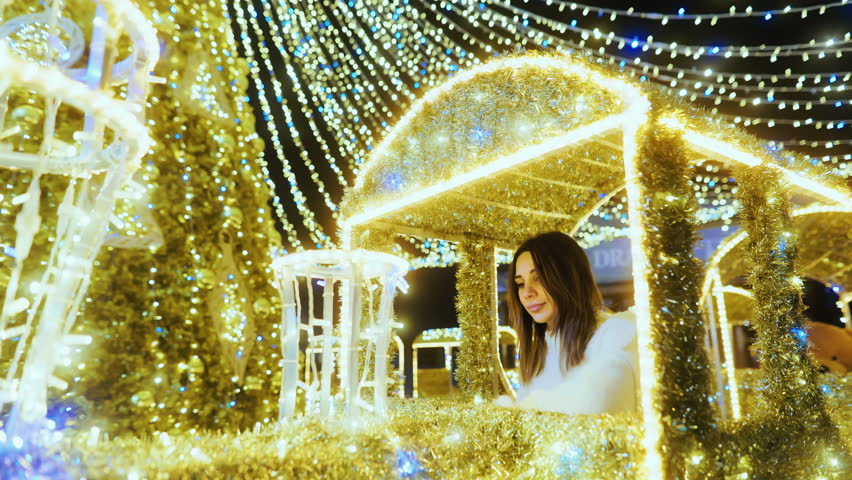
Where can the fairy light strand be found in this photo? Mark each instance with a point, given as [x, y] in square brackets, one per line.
[359, 65]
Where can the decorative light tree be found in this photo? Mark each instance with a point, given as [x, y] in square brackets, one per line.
[88, 134]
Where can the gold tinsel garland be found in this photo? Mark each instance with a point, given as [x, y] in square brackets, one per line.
[423, 438]
[479, 373]
[457, 131]
[478, 121]
[823, 238]
[792, 434]
[836, 388]
[683, 372]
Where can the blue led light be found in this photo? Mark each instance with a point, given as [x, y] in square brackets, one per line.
[407, 464]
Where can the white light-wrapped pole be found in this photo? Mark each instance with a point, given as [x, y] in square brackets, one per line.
[327, 344]
[383, 329]
[43, 318]
[289, 332]
[350, 326]
[343, 276]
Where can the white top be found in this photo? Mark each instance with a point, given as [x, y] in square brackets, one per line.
[605, 381]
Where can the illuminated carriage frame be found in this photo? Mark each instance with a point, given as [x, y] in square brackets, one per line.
[824, 256]
[480, 160]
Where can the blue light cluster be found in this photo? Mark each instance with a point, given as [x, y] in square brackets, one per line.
[407, 464]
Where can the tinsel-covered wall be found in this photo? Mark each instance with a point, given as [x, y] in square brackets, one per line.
[422, 439]
[431, 438]
[184, 333]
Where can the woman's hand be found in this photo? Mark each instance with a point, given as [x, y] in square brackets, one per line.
[505, 401]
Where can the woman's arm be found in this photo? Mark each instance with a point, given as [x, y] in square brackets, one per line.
[590, 388]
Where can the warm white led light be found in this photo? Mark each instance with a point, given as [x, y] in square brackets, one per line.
[713, 148]
[652, 464]
[51, 82]
[727, 344]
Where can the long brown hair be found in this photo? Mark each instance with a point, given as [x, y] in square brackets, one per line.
[564, 271]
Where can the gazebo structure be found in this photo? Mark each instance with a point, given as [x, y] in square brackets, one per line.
[825, 236]
[529, 144]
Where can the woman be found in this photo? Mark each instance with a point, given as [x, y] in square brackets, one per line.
[573, 357]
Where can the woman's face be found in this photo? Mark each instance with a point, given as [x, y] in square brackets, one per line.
[535, 299]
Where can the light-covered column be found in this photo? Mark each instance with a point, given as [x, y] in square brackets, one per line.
[479, 373]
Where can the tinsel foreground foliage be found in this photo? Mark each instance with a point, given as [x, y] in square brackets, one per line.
[423, 438]
[184, 335]
[791, 428]
[683, 374]
[438, 438]
[836, 389]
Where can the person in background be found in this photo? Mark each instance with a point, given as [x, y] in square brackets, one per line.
[574, 357]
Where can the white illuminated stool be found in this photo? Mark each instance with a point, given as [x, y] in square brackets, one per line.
[316, 349]
[348, 279]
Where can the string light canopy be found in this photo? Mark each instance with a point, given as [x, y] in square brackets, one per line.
[331, 77]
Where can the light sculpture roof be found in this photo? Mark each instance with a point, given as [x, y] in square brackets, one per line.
[528, 144]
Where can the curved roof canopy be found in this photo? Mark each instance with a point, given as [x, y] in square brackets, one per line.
[528, 144]
[825, 247]
[824, 254]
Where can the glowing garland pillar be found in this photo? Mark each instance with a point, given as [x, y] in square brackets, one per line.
[479, 371]
[679, 420]
[794, 431]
